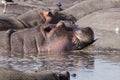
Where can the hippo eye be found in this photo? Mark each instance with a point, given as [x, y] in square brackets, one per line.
[48, 29]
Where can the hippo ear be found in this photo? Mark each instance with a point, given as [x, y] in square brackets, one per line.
[60, 24]
[65, 75]
[47, 13]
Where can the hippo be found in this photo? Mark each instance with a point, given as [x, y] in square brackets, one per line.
[33, 18]
[11, 74]
[45, 38]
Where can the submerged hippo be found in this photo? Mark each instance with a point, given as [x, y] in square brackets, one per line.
[33, 18]
[47, 37]
[8, 74]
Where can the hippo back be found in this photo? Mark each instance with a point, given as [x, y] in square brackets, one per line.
[10, 23]
[30, 19]
[11, 74]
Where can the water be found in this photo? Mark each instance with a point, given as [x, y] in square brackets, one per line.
[103, 69]
[86, 66]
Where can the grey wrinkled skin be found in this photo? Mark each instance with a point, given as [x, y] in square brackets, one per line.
[33, 18]
[10, 23]
[47, 37]
[5, 46]
[10, 74]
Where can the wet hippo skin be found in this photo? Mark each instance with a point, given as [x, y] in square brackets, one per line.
[33, 18]
[47, 37]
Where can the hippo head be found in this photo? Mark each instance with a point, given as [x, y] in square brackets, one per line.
[50, 37]
[54, 16]
[59, 37]
[57, 16]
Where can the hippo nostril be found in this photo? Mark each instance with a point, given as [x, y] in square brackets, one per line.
[48, 29]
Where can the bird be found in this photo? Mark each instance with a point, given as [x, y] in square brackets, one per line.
[4, 2]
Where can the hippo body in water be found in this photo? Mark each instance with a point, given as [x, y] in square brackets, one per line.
[33, 18]
[10, 74]
[47, 37]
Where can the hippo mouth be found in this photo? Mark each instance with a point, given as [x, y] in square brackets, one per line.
[78, 44]
[76, 41]
[82, 40]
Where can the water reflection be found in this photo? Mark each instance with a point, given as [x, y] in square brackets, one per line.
[63, 61]
[106, 67]
[50, 61]
[81, 65]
